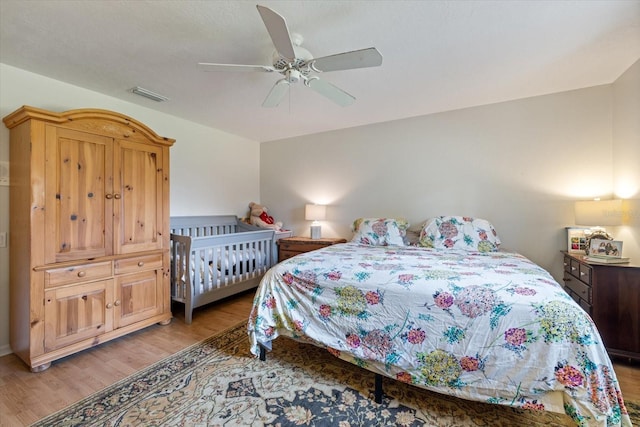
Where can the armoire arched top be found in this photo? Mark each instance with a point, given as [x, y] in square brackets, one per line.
[104, 122]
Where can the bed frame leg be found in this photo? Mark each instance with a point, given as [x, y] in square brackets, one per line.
[377, 394]
[263, 354]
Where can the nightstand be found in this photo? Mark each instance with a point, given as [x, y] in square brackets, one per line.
[610, 293]
[292, 246]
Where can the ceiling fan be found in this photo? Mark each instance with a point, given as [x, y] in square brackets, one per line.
[297, 64]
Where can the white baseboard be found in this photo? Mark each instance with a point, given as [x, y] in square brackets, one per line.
[5, 349]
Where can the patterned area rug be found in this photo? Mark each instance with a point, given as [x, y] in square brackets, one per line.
[219, 383]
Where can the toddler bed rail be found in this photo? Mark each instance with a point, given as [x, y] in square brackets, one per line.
[213, 257]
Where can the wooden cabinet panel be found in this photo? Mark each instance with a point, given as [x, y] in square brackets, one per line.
[139, 296]
[75, 313]
[78, 176]
[137, 211]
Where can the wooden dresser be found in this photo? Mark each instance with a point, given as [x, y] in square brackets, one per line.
[292, 246]
[610, 293]
[89, 230]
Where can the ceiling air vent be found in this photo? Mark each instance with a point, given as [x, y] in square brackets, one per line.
[148, 94]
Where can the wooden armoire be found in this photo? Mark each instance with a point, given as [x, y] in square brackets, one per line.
[89, 230]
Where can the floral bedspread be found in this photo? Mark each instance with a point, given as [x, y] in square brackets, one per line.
[492, 327]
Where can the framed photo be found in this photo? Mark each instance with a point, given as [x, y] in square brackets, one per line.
[576, 240]
[605, 248]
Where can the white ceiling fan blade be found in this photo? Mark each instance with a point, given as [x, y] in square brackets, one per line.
[330, 91]
[277, 28]
[277, 93]
[207, 66]
[346, 61]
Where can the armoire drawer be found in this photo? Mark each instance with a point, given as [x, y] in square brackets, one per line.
[139, 263]
[77, 273]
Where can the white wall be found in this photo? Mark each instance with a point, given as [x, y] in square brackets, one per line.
[626, 157]
[519, 164]
[205, 162]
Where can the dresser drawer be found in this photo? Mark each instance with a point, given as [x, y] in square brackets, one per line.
[282, 255]
[300, 247]
[292, 246]
[585, 273]
[578, 287]
[139, 263]
[574, 268]
[76, 273]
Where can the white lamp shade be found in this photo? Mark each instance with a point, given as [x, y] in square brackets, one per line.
[599, 212]
[315, 212]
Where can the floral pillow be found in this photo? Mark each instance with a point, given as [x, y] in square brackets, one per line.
[379, 231]
[459, 232]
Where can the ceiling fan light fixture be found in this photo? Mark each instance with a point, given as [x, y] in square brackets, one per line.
[149, 94]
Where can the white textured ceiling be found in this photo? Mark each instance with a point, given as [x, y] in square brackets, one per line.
[438, 55]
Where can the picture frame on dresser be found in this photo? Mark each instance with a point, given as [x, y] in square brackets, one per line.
[605, 248]
[576, 240]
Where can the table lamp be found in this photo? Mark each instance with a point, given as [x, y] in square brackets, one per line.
[315, 213]
[596, 214]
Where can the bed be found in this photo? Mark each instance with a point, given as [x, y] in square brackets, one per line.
[453, 314]
[213, 257]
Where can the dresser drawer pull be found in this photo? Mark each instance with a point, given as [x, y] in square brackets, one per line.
[582, 273]
[564, 279]
[574, 268]
[109, 305]
[141, 263]
[82, 273]
[117, 303]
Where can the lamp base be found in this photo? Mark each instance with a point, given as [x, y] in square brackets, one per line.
[315, 231]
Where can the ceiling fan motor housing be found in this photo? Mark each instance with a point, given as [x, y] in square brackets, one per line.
[302, 56]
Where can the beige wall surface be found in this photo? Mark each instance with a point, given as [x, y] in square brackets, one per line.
[204, 161]
[626, 157]
[519, 164]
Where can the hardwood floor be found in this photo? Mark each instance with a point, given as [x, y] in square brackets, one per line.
[26, 397]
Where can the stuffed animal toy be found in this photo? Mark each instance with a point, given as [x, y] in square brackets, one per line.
[258, 216]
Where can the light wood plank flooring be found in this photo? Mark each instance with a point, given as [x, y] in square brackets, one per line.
[26, 397]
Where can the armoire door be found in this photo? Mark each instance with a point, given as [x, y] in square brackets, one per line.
[78, 181]
[75, 313]
[139, 296]
[138, 197]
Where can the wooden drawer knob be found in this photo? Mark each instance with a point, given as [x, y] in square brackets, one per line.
[141, 264]
[82, 273]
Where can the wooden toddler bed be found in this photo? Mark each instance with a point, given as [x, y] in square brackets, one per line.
[213, 257]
